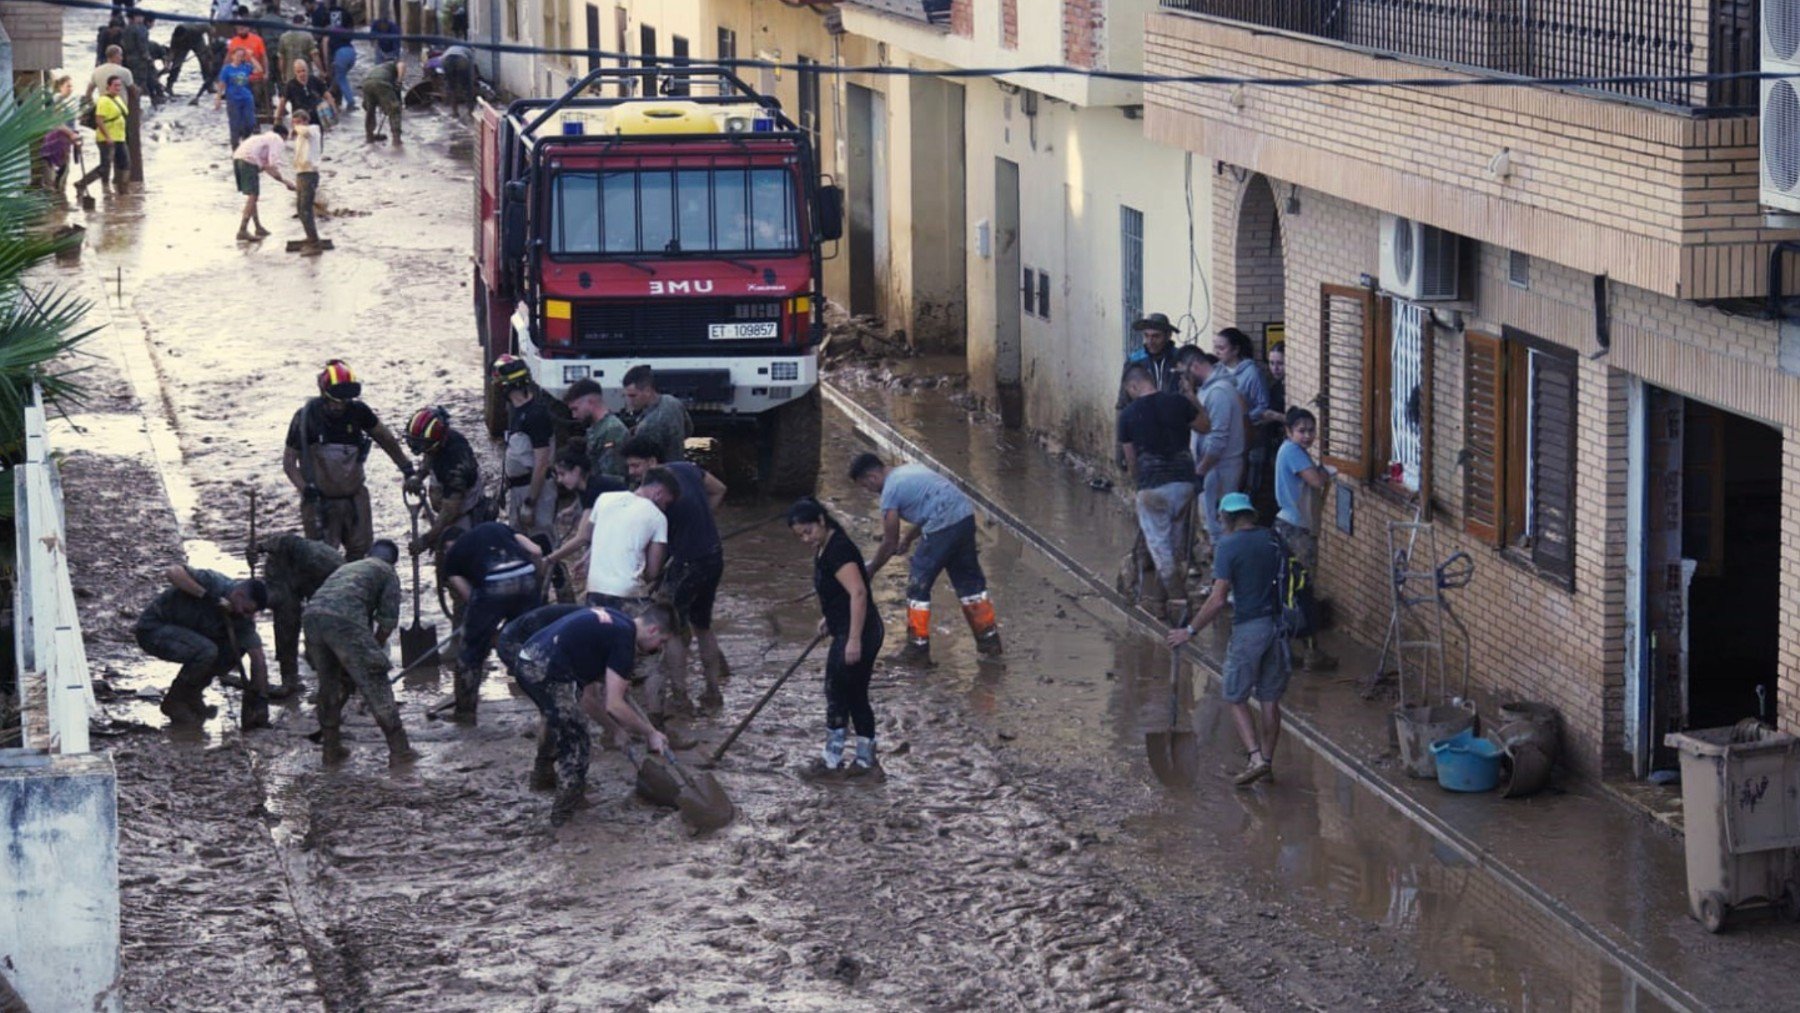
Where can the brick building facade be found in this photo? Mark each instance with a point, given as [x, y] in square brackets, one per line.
[1601, 418]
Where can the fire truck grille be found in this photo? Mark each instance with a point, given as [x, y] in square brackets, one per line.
[670, 322]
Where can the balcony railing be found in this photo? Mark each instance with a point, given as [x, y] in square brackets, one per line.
[1542, 38]
[934, 12]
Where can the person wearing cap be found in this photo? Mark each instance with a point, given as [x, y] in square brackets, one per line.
[1154, 430]
[1246, 565]
[530, 448]
[327, 442]
[448, 477]
[494, 572]
[295, 567]
[347, 624]
[205, 621]
[1157, 356]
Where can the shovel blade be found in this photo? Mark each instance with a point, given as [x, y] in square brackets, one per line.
[658, 783]
[419, 645]
[703, 803]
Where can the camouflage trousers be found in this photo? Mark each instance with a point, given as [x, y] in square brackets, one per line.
[345, 655]
[564, 740]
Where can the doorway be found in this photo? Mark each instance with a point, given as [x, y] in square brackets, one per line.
[867, 172]
[1712, 554]
[1008, 291]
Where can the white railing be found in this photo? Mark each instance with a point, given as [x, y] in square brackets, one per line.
[47, 637]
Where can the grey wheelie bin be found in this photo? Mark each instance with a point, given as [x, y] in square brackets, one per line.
[1740, 798]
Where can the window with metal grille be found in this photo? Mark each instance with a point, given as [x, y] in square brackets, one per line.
[727, 44]
[1407, 386]
[1131, 272]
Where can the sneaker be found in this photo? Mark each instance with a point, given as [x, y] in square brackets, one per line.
[261, 232]
[1256, 771]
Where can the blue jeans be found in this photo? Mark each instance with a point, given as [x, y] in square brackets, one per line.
[341, 62]
[240, 114]
[946, 549]
[482, 621]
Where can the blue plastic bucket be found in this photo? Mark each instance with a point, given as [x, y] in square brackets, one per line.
[1466, 763]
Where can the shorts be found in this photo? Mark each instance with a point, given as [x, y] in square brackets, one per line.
[693, 585]
[249, 177]
[1256, 662]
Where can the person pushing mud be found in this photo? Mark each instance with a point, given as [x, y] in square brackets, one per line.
[856, 635]
[205, 621]
[347, 626]
[581, 667]
[493, 571]
[296, 568]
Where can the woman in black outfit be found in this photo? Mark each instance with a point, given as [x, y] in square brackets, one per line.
[842, 581]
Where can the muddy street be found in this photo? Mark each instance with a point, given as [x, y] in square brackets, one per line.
[1024, 852]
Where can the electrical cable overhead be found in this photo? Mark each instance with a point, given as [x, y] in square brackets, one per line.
[1058, 70]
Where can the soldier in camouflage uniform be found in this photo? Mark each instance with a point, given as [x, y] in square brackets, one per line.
[296, 566]
[206, 621]
[507, 645]
[344, 652]
[582, 666]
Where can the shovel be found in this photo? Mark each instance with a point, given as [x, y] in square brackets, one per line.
[1174, 754]
[418, 642]
[87, 201]
[703, 803]
[713, 760]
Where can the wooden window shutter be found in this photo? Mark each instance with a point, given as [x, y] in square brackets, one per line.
[1346, 329]
[1378, 386]
[1553, 464]
[1484, 435]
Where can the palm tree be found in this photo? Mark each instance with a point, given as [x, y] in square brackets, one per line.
[39, 323]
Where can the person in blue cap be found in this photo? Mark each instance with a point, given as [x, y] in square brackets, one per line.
[1246, 565]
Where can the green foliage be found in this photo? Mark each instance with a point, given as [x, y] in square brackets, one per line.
[39, 324]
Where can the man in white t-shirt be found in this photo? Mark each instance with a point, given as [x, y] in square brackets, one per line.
[627, 536]
[306, 179]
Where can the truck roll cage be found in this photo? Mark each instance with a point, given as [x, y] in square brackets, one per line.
[731, 90]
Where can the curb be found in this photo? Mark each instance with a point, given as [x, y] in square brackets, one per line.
[891, 441]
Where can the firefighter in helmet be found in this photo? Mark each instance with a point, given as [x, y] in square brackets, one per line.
[449, 477]
[327, 443]
[530, 448]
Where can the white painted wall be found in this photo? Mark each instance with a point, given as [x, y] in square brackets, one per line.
[1082, 165]
[59, 883]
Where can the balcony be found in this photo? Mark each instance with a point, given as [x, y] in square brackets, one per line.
[1652, 183]
[929, 12]
[1541, 38]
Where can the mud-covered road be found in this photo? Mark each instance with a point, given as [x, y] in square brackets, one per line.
[1019, 856]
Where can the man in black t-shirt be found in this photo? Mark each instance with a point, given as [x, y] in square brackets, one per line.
[580, 667]
[696, 566]
[1153, 432]
[493, 570]
[327, 443]
[305, 92]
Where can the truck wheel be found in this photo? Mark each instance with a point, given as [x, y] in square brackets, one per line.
[789, 457]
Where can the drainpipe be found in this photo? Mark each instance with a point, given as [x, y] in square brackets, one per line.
[6, 65]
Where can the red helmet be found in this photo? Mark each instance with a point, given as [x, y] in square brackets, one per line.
[511, 371]
[427, 429]
[338, 383]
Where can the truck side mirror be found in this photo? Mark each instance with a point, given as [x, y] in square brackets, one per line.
[512, 221]
[830, 225]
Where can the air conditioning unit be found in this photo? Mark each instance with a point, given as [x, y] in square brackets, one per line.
[1418, 262]
[1781, 105]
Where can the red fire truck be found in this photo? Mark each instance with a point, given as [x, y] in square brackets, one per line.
[617, 226]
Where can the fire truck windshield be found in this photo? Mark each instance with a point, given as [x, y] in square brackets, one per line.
[663, 212]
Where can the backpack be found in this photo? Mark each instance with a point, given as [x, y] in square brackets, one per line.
[1296, 609]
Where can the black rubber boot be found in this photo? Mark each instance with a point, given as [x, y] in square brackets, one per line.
[333, 741]
[255, 712]
[463, 713]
